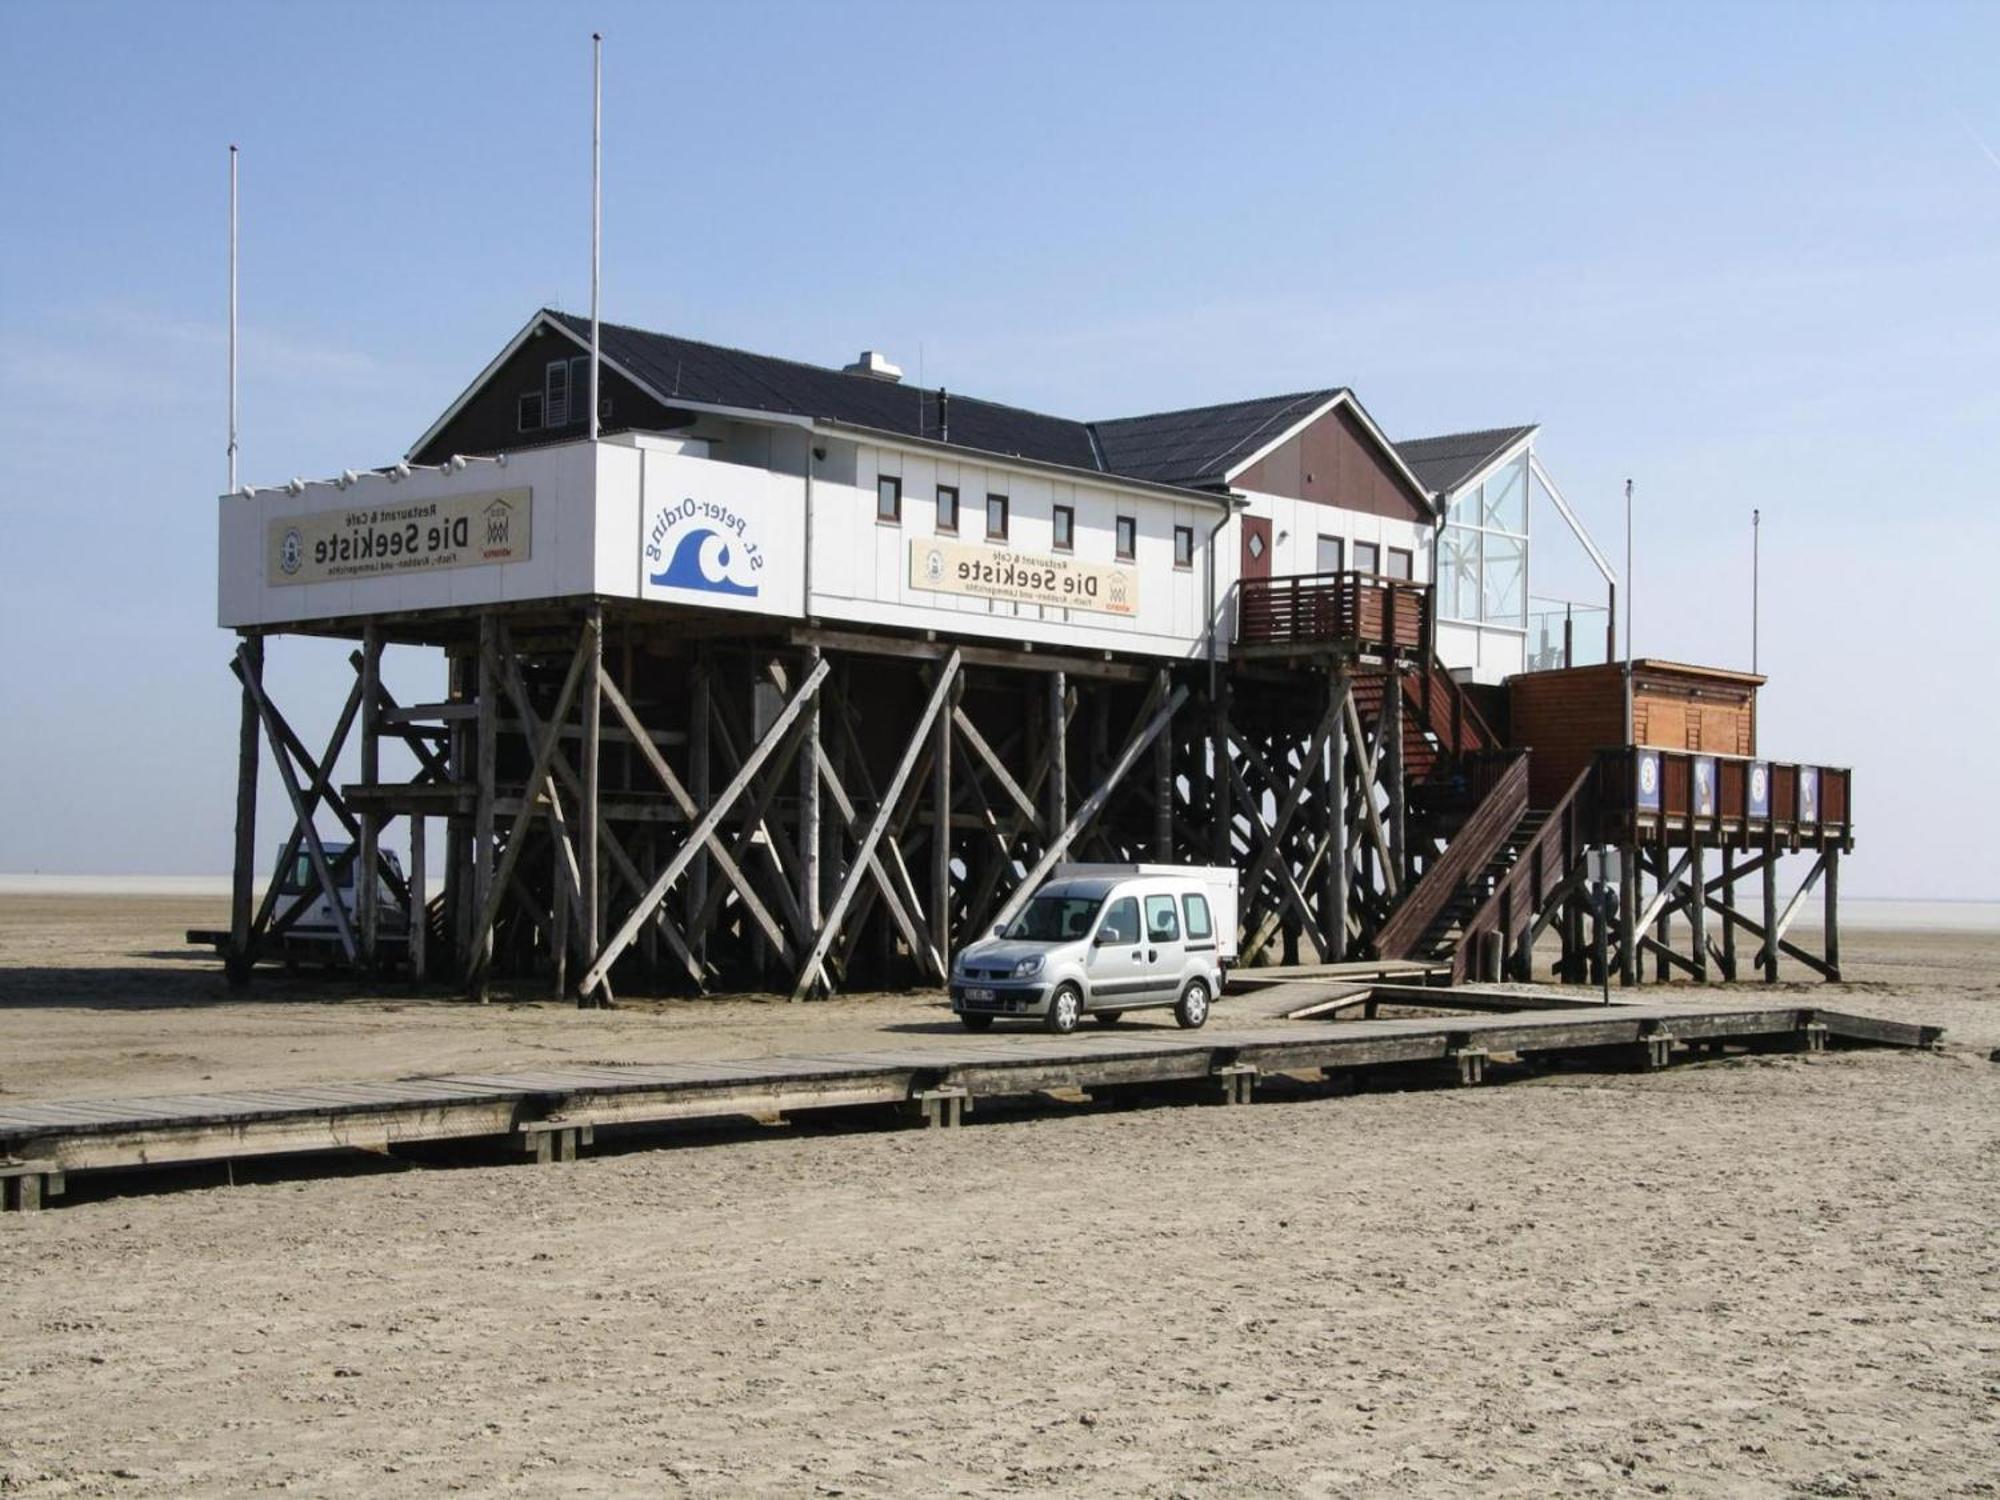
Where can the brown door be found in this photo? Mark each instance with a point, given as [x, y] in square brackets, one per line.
[1256, 561]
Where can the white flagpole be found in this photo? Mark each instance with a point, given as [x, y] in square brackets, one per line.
[232, 320]
[596, 206]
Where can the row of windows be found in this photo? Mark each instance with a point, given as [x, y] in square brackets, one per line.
[889, 511]
[1367, 558]
[563, 398]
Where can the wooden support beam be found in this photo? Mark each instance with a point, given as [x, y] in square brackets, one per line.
[1775, 933]
[1372, 815]
[809, 849]
[860, 643]
[1391, 733]
[698, 837]
[539, 782]
[419, 904]
[941, 834]
[1142, 736]
[700, 713]
[479, 937]
[1697, 910]
[1767, 956]
[1831, 942]
[812, 972]
[1163, 782]
[995, 767]
[243, 869]
[590, 814]
[319, 788]
[315, 851]
[1057, 781]
[1727, 879]
[366, 879]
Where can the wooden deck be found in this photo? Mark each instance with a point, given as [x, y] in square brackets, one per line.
[550, 1112]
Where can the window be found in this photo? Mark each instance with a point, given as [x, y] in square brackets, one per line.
[1121, 922]
[1055, 919]
[1402, 563]
[1183, 546]
[889, 499]
[1367, 557]
[947, 508]
[555, 394]
[579, 388]
[1065, 528]
[1128, 537]
[996, 518]
[1200, 926]
[1163, 923]
[1332, 555]
[1482, 560]
[531, 411]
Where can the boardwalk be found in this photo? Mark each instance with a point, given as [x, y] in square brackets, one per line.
[550, 1113]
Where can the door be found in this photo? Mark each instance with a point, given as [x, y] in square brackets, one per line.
[1256, 560]
[1165, 955]
[1117, 963]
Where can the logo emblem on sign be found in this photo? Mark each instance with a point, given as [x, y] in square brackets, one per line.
[291, 552]
[704, 560]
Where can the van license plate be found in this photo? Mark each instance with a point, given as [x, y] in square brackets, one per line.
[978, 994]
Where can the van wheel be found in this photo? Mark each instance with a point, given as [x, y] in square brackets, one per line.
[975, 1023]
[1193, 1007]
[1065, 1010]
[1107, 1017]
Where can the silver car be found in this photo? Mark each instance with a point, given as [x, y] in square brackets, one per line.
[1098, 946]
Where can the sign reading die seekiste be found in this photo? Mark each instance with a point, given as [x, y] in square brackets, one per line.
[947, 567]
[412, 536]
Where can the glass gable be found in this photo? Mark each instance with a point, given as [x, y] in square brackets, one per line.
[1482, 564]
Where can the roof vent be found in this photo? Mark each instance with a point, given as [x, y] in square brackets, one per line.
[874, 366]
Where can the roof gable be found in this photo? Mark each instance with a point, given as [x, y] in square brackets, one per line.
[1444, 463]
[1202, 445]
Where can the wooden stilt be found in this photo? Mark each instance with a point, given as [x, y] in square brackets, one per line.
[1628, 915]
[479, 938]
[809, 808]
[1768, 958]
[367, 862]
[1163, 782]
[941, 834]
[419, 905]
[1337, 873]
[590, 815]
[1728, 878]
[1832, 917]
[701, 713]
[1056, 788]
[1697, 911]
[1392, 758]
[243, 872]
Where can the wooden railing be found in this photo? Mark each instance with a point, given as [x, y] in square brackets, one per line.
[1448, 709]
[1499, 812]
[1375, 614]
[1538, 871]
[1726, 795]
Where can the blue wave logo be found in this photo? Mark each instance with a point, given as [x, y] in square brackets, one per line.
[703, 560]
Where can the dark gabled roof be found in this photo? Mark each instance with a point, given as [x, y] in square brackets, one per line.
[1444, 463]
[1201, 445]
[715, 376]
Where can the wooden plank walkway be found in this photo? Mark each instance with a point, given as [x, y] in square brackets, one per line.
[549, 1112]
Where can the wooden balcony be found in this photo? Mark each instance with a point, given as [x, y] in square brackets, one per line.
[1673, 796]
[1355, 612]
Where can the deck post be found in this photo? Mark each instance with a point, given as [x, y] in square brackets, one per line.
[367, 876]
[243, 872]
[1392, 755]
[1163, 779]
[1221, 798]
[590, 815]
[1728, 911]
[479, 938]
[1335, 896]
[809, 805]
[1832, 948]
[1770, 882]
[941, 832]
[1698, 908]
[1628, 915]
[700, 713]
[419, 922]
[1058, 782]
[1663, 926]
[457, 828]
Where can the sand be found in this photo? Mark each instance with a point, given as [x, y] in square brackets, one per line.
[1770, 1276]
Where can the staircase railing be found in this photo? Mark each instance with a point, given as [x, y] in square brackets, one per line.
[1448, 709]
[1548, 860]
[1497, 815]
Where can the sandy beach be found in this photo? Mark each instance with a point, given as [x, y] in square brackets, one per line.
[1767, 1276]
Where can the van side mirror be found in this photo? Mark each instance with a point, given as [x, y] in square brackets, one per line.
[1106, 936]
[999, 929]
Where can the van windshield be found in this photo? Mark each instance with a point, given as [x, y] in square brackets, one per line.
[1055, 919]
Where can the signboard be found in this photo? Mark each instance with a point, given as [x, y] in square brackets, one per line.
[1704, 786]
[1760, 789]
[1808, 794]
[721, 536]
[1647, 792]
[409, 536]
[942, 566]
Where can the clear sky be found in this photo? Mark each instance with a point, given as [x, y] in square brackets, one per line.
[1747, 255]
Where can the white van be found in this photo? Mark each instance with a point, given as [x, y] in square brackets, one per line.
[1100, 940]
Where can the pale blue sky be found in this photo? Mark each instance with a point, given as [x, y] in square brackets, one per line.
[1748, 255]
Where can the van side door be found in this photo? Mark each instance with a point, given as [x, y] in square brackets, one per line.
[1165, 957]
[1117, 960]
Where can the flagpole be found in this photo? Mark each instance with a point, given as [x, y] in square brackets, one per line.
[596, 207]
[1756, 537]
[232, 319]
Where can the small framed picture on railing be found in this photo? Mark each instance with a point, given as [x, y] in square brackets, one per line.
[1759, 798]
